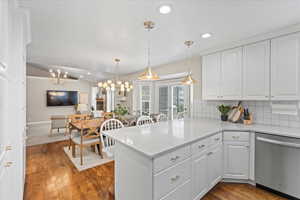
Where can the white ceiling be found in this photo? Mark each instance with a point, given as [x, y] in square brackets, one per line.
[89, 34]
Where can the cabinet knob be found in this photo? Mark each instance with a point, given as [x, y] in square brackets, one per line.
[175, 178]
[173, 159]
[8, 148]
[209, 153]
[201, 146]
[8, 164]
[3, 66]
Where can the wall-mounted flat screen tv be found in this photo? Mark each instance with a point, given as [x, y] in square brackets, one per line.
[62, 98]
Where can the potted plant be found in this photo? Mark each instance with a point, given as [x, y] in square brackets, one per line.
[224, 110]
[121, 111]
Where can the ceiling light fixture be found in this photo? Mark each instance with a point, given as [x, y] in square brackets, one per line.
[148, 75]
[165, 9]
[206, 35]
[188, 80]
[58, 76]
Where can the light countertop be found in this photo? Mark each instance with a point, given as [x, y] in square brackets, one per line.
[153, 140]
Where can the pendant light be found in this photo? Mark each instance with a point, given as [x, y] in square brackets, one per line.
[148, 75]
[188, 80]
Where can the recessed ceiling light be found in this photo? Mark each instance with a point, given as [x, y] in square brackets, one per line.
[89, 73]
[80, 76]
[165, 9]
[206, 35]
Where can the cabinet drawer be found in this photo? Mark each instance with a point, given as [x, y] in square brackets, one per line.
[169, 179]
[171, 158]
[216, 139]
[236, 136]
[180, 193]
[200, 146]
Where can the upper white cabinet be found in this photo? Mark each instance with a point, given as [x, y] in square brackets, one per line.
[285, 54]
[231, 70]
[211, 72]
[256, 71]
[267, 70]
[3, 35]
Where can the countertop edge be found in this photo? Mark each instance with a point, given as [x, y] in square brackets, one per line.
[221, 129]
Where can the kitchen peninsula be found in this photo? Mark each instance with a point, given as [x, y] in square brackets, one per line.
[184, 159]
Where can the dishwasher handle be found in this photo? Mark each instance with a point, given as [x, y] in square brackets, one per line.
[287, 144]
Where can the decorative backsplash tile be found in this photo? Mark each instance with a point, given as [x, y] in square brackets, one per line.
[261, 110]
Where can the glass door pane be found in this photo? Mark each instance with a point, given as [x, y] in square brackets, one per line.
[163, 101]
[178, 100]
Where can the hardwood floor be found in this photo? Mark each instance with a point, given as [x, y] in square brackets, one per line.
[51, 176]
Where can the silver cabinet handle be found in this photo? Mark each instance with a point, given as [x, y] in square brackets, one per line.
[235, 137]
[173, 159]
[175, 178]
[201, 146]
[209, 153]
[288, 144]
[3, 66]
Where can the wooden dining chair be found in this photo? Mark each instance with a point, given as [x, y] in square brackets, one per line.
[89, 136]
[76, 118]
[108, 143]
[144, 120]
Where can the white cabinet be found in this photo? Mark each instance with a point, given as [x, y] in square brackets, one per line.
[199, 176]
[236, 160]
[285, 55]
[236, 155]
[214, 165]
[231, 74]
[256, 71]
[3, 35]
[211, 72]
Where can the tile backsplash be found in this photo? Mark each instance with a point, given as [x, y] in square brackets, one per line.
[261, 110]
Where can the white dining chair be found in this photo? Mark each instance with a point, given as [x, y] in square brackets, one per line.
[182, 115]
[144, 120]
[107, 142]
[162, 117]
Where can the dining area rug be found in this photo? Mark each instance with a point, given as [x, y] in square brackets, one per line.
[90, 159]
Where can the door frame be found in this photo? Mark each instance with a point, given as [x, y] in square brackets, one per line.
[171, 83]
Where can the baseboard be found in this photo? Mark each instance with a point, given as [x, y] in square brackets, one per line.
[38, 123]
[247, 181]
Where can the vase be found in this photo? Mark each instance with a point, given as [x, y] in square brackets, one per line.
[224, 117]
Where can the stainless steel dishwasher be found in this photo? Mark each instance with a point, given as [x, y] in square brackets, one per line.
[277, 164]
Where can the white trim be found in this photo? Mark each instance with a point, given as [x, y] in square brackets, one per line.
[38, 123]
[41, 77]
[251, 40]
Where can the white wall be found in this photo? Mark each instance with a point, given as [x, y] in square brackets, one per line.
[37, 109]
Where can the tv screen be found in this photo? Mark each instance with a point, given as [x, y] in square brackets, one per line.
[62, 98]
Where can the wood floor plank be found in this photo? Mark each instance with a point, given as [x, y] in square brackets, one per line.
[51, 176]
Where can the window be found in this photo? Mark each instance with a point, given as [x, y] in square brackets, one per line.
[145, 97]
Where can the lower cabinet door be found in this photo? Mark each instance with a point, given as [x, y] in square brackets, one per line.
[180, 193]
[236, 160]
[215, 165]
[199, 176]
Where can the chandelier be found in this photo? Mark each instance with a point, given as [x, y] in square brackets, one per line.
[58, 76]
[188, 80]
[116, 84]
[148, 74]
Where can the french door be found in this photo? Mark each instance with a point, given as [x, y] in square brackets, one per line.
[172, 99]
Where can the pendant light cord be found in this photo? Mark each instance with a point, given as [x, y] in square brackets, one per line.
[148, 64]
